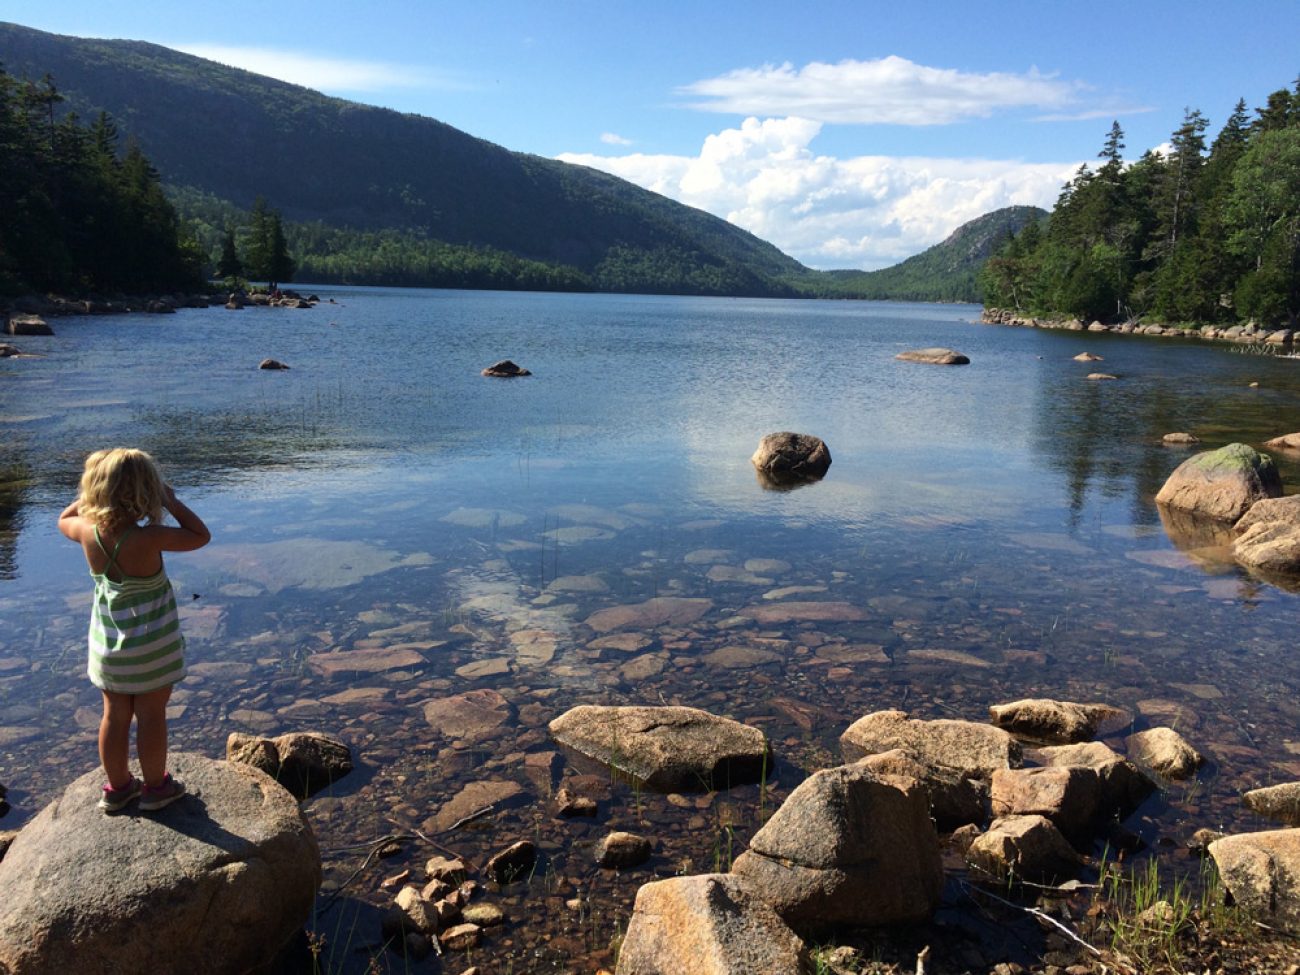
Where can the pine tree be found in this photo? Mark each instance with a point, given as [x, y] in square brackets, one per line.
[229, 265]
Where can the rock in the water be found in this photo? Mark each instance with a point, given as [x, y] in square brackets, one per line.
[1087, 357]
[28, 325]
[1124, 785]
[1165, 751]
[215, 883]
[1023, 848]
[302, 762]
[621, 850]
[1056, 722]
[1289, 441]
[954, 801]
[797, 455]
[1179, 438]
[847, 847]
[1277, 802]
[707, 925]
[656, 612]
[669, 749]
[8, 351]
[971, 749]
[1101, 376]
[1270, 536]
[505, 369]
[1069, 795]
[1262, 873]
[934, 357]
[514, 863]
[274, 364]
[1222, 484]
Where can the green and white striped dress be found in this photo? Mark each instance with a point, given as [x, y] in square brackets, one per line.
[136, 644]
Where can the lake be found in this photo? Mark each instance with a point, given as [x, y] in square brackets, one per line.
[994, 521]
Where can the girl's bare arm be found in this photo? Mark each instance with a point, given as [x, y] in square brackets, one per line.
[191, 534]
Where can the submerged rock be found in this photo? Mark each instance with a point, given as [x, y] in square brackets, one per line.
[1179, 438]
[711, 925]
[273, 364]
[1288, 441]
[1222, 484]
[972, 749]
[656, 612]
[669, 749]
[847, 847]
[934, 357]
[794, 455]
[621, 850]
[217, 882]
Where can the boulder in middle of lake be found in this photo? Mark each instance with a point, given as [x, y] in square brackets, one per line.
[1222, 484]
[792, 455]
[934, 357]
[505, 369]
[669, 749]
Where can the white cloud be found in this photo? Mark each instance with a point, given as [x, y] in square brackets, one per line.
[614, 139]
[890, 90]
[322, 73]
[866, 211]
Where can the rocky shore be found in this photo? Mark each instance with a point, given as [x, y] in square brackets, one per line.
[1282, 339]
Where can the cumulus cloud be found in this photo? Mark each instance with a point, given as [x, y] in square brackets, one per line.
[889, 90]
[614, 139]
[321, 73]
[865, 211]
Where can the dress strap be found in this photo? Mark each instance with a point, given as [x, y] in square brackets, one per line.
[112, 556]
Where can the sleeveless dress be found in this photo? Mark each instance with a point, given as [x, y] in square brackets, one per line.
[136, 644]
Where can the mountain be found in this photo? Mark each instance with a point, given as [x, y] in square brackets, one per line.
[228, 134]
[944, 272]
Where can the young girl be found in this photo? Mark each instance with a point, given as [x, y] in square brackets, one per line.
[136, 647]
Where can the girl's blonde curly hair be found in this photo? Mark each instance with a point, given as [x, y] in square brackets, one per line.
[121, 487]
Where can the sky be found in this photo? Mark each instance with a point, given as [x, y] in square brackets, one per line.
[849, 134]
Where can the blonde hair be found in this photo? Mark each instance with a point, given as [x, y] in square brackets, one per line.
[119, 487]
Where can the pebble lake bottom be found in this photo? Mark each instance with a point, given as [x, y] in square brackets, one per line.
[993, 524]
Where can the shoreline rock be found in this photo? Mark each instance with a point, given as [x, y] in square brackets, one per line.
[1248, 334]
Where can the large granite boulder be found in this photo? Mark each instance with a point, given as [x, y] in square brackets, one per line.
[954, 800]
[934, 357]
[215, 883]
[1023, 848]
[1222, 484]
[1269, 539]
[971, 749]
[302, 762]
[847, 847]
[792, 455]
[1055, 722]
[668, 749]
[1276, 802]
[708, 925]
[1262, 873]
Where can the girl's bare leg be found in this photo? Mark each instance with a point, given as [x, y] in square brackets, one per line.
[151, 734]
[115, 738]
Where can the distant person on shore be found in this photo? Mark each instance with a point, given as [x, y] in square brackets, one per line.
[136, 647]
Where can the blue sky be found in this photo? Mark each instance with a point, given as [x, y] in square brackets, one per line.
[850, 134]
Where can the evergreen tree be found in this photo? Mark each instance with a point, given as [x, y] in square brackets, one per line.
[229, 265]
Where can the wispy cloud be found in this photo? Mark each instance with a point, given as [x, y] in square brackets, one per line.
[614, 139]
[890, 90]
[323, 73]
[865, 211]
